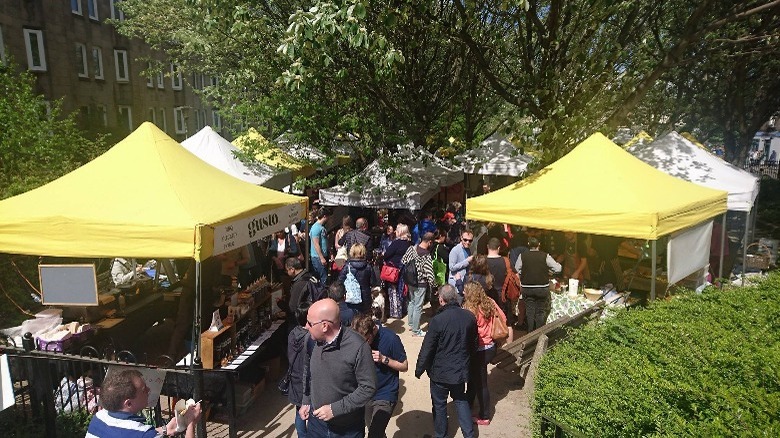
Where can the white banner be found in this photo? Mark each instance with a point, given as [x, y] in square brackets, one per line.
[688, 251]
[6, 387]
[245, 230]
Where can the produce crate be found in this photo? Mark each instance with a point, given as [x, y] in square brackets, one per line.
[55, 346]
[759, 260]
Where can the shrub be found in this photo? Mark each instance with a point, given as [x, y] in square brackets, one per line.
[698, 365]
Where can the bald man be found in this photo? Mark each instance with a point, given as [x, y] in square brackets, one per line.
[342, 379]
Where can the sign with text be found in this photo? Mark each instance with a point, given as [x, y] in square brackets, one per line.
[241, 232]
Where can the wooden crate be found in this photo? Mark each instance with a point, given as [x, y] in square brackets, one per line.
[210, 342]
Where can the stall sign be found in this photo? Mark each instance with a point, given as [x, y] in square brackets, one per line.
[243, 231]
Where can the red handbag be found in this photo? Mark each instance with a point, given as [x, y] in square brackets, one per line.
[389, 273]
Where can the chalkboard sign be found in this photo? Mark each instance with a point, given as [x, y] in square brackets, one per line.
[68, 285]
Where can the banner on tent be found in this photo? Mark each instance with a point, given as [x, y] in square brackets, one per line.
[688, 251]
[241, 232]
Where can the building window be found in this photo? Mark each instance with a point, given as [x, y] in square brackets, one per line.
[102, 115]
[122, 67]
[81, 60]
[97, 62]
[198, 125]
[36, 56]
[178, 120]
[116, 12]
[163, 123]
[176, 79]
[92, 9]
[197, 81]
[216, 120]
[203, 118]
[125, 114]
[75, 7]
[214, 81]
[2, 47]
[152, 116]
[149, 76]
[160, 80]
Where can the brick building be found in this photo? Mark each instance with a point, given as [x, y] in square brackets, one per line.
[78, 57]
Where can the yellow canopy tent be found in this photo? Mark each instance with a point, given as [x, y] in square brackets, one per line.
[145, 197]
[642, 137]
[272, 155]
[599, 188]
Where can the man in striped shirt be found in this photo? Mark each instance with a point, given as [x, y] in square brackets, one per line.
[122, 396]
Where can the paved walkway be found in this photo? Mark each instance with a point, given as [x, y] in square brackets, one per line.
[271, 415]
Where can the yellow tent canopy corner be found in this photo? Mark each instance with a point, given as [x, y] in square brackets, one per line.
[599, 188]
[272, 155]
[145, 197]
[642, 137]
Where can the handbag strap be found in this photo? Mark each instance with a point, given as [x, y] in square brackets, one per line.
[295, 357]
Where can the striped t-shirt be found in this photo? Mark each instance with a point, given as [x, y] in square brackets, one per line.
[119, 425]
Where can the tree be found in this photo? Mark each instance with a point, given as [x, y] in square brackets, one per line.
[578, 66]
[37, 142]
[322, 73]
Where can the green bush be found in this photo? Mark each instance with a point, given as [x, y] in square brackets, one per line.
[698, 365]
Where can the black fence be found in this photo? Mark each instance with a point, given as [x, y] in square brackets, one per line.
[767, 168]
[55, 394]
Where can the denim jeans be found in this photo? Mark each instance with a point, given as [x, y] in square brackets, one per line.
[439, 393]
[416, 300]
[321, 429]
[320, 269]
[300, 423]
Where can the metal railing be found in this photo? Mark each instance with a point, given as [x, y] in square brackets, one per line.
[765, 168]
[52, 390]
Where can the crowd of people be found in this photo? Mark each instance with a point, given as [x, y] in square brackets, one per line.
[345, 363]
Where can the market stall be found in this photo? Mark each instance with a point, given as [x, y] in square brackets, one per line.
[409, 183]
[220, 153]
[598, 188]
[272, 155]
[675, 155]
[495, 157]
[145, 197]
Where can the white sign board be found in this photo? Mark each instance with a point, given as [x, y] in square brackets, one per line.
[688, 251]
[243, 231]
[6, 387]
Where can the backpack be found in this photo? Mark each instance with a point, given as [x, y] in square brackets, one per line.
[439, 268]
[352, 286]
[410, 273]
[315, 290]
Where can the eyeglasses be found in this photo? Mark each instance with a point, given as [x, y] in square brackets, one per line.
[467, 240]
[312, 324]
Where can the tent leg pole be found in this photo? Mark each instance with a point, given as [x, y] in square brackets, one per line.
[745, 245]
[722, 243]
[652, 270]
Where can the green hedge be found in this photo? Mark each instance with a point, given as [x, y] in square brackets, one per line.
[698, 365]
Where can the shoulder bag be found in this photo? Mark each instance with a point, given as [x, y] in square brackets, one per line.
[511, 289]
[500, 330]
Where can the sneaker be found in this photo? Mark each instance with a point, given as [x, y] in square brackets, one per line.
[418, 333]
[481, 421]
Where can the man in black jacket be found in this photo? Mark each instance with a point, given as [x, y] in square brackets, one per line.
[445, 354]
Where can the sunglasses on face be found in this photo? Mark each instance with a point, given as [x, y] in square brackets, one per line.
[467, 240]
[312, 324]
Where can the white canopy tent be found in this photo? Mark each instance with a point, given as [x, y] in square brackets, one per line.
[417, 180]
[675, 155]
[494, 156]
[210, 147]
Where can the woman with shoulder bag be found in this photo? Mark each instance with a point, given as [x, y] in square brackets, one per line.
[392, 258]
[486, 311]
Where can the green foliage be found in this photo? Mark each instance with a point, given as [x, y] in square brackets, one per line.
[698, 365]
[69, 424]
[37, 142]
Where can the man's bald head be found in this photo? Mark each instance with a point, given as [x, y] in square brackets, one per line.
[323, 320]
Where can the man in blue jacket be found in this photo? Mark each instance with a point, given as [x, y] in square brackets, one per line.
[445, 354]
